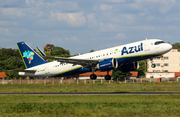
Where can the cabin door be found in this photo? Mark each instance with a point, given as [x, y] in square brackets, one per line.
[146, 45]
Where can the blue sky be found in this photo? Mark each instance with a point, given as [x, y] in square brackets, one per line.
[83, 25]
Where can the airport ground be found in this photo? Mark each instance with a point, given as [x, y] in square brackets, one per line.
[90, 86]
[91, 105]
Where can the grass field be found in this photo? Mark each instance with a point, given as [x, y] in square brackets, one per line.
[85, 105]
[90, 87]
[90, 105]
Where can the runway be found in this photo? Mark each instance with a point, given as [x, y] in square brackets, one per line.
[92, 93]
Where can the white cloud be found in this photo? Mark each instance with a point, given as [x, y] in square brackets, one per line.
[56, 40]
[140, 28]
[163, 6]
[6, 40]
[91, 20]
[70, 23]
[117, 1]
[30, 1]
[166, 5]
[73, 19]
[4, 31]
[121, 36]
[123, 19]
[105, 7]
[8, 23]
[91, 17]
[108, 27]
[73, 39]
[12, 13]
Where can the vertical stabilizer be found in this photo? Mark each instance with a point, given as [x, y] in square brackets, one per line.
[29, 56]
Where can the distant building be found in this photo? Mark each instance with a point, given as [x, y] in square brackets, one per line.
[47, 49]
[167, 65]
[169, 62]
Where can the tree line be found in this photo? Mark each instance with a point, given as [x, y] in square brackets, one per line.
[10, 59]
[57, 51]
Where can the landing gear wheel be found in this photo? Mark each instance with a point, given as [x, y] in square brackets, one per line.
[93, 77]
[153, 65]
[107, 77]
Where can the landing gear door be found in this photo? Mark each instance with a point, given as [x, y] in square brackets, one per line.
[146, 45]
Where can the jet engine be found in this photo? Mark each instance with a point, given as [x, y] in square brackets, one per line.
[107, 64]
[129, 67]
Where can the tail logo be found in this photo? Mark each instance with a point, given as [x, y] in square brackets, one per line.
[29, 55]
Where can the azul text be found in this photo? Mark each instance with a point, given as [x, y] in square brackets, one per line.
[132, 49]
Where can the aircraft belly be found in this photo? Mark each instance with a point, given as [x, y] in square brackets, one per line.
[65, 70]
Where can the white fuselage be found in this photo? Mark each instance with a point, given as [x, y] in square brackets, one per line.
[129, 52]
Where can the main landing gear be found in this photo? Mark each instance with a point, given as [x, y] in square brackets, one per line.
[107, 77]
[94, 77]
[152, 64]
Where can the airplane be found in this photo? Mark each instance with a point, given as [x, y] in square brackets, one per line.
[123, 57]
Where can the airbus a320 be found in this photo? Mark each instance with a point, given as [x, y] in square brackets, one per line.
[124, 57]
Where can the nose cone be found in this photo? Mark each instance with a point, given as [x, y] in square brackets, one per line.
[169, 47]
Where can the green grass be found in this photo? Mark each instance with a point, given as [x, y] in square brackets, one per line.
[90, 105]
[90, 87]
[85, 105]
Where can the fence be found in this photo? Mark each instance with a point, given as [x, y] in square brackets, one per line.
[153, 80]
[85, 81]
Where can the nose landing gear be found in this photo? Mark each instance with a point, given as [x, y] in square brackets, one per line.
[152, 64]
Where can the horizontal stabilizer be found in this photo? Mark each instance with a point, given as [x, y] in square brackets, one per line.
[28, 71]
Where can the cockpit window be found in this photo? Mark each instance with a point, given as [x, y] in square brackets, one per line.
[158, 42]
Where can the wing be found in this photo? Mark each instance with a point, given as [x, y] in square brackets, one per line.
[75, 61]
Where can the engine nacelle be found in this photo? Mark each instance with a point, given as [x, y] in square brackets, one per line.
[107, 64]
[129, 67]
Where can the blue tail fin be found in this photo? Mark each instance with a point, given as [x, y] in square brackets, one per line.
[29, 56]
